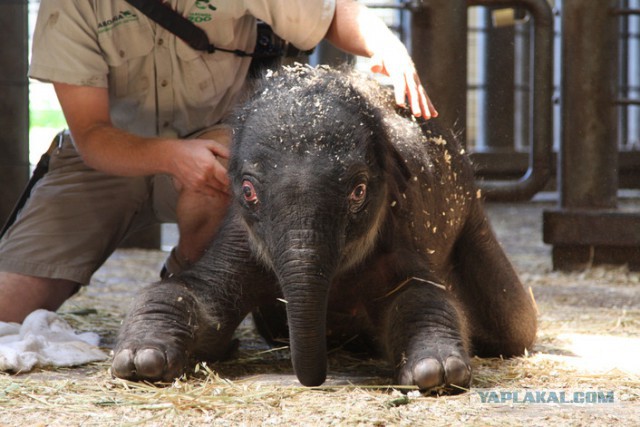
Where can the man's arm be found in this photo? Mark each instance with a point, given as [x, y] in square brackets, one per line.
[103, 147]
[357, 30]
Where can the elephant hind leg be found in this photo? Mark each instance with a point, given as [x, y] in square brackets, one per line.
[501, 315]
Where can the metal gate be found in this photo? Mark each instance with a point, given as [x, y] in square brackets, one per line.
[552, 102]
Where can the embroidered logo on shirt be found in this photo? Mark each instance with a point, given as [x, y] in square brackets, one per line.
[196, 17]
[121, 18]
[205, 4]
[204, 16]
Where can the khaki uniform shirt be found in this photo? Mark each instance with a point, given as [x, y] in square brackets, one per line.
[157, 84]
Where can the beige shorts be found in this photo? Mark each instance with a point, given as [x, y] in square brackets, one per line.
[76, 217]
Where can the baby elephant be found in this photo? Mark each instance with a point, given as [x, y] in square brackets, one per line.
[348, 218]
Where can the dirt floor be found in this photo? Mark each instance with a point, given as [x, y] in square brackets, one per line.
[584, 369]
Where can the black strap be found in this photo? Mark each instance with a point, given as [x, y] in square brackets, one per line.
[41, 169]
[184, 29]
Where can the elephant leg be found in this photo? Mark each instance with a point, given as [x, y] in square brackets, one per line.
[167, 327]
[425, 339]
[194, 314]
[501, 315]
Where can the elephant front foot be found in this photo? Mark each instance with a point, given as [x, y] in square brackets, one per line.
[147, 363]
[157, 337]
[428, 345]
[441, 369]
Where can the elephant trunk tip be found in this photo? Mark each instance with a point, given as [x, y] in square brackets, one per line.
[310, 361]
[312, 379]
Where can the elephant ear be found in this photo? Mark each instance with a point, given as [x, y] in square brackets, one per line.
[380, 112]
[391, 159]
[397, 167]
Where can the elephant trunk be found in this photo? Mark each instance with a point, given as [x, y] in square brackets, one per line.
[304, 272]
[307, 313]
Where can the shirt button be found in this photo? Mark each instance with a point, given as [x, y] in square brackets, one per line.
[164, 83]
[160, 42]
[121, 53]
[165, 124]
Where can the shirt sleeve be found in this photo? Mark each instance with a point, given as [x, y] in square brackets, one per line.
[304, 23]
[65, 45]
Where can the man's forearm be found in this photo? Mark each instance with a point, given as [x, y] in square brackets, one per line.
[114, 151]
[101, 145]
[357, 30]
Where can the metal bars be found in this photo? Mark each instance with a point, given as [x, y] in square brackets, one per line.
[587, 227]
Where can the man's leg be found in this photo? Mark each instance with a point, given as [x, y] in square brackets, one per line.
[20, 295]
[198, 216]
[73, 220]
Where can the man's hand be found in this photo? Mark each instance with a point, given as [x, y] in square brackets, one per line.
[200, 166]
[397, 64]
[355, 29]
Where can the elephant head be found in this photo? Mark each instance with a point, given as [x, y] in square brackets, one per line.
[310, 180]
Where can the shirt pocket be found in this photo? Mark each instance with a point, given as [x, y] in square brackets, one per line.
[210, 75]
[127, 50]
[206, 76]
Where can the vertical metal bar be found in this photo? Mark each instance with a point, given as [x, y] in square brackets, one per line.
[14, 104]
[623, 77]
[588, 155]
[499, 98]
[439, 50]
[523, 92]
[634, 49]
[587, 229]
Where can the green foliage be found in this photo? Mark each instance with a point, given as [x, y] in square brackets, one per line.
[47, 119]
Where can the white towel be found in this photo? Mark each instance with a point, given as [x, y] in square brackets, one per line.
[45, 339]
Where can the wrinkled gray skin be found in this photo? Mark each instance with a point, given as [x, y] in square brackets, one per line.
[365, 222]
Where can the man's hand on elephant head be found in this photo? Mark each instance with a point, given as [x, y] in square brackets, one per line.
[395, 62]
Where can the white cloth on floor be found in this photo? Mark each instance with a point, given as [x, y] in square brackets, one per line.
[45, 339]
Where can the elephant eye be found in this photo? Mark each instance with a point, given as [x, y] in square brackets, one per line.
[357, 197]
[249, 192]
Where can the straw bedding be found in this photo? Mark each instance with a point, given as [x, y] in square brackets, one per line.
[588, 340]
